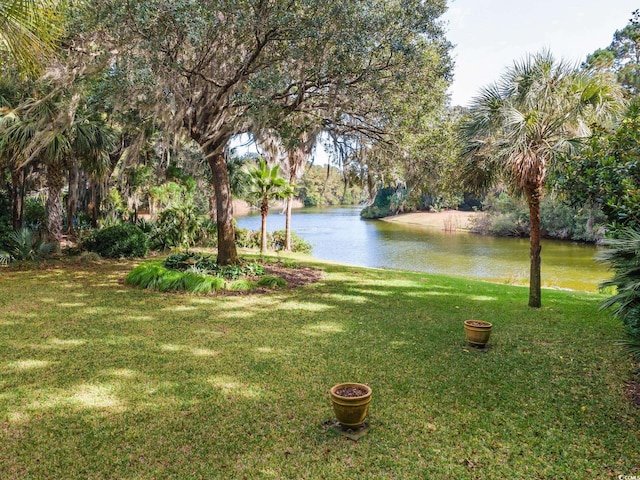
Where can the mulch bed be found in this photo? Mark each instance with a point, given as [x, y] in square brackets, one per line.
[632, 390]
[295, 277]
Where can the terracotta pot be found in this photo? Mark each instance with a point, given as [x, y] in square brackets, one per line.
[350, 411]
[477, 332]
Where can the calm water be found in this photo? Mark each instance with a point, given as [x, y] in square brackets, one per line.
[339, 235]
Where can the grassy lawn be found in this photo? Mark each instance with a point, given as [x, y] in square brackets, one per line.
[99, 380]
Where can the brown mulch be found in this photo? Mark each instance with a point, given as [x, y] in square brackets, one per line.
[295, 277]
[632, 390]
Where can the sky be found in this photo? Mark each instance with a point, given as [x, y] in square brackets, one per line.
[490, 34]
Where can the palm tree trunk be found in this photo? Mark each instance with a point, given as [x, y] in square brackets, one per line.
[287, 236]
[534, 193]
[55, 183]
[72, 198]
[227, 252]
[17, 187]
[264, 211]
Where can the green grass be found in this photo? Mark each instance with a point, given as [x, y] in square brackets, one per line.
[101, 380]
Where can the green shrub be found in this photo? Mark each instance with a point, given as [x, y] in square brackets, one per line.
[232, 272]
[271, 281]
[297, 243]
[185, 260]
[623, 255]
[34, 214]
[177, 226]
[120, 240]
[25, 245]
[154, 275]
[242, 285]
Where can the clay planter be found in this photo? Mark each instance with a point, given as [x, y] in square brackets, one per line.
[477, 332]
[350, 410]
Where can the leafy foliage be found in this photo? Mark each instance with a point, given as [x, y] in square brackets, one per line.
[205, 264]
[120, 240]
[622, 56]
[177, 226]
[508, 216]
[623, 255]
[25, 244]
[386, 203]
[607, 172]
[153, 275]
[271, 281]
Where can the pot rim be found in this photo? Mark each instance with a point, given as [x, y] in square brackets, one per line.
[351, 384]
[482, 323]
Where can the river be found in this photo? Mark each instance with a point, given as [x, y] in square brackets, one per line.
[339, 235]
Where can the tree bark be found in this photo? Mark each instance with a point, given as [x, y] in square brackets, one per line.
[264, 211]
[17, 187]
[534, 193]
[55, 183]
[227, 252]
[287, 229]
[72, 197]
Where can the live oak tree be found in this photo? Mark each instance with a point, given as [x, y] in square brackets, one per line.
[212, 67]
[519, 127]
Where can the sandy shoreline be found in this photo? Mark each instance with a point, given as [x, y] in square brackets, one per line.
[448, 220]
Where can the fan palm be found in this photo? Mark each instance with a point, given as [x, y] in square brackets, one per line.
[266, 185]
[29, 30]
[519, 127]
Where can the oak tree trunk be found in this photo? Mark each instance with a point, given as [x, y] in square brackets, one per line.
[227, 252]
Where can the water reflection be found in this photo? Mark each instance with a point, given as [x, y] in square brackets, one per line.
[338, 234]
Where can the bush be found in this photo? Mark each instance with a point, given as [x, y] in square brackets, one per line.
[154, 275]
[624, 257]
[120, 240]
[25, 245]
[271, 281]
[297, 244]
[507, 216]
[204, 264]
[177, 227]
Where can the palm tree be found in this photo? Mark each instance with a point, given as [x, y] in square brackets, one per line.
[29, 30]
[265, 185]
[519, 127]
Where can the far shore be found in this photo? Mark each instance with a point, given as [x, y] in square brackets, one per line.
[447, 220]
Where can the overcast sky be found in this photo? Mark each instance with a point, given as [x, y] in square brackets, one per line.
[490, 34]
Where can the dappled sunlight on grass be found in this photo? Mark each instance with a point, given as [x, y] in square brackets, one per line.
[47, 300]
[179, 308]
[322, 328]
[120, 373]
[232, 387]
[138, 318]
[306, 306]
[69, 342]
[150, 385]
[213, 333]
[199, 352]
[483, 298]
[427, 293]
[235, 314]
[84, 396]
[71, 305]
[346, 297]
[27, 364]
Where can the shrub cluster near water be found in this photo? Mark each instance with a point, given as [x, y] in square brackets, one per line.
[197, 273]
